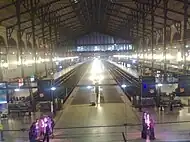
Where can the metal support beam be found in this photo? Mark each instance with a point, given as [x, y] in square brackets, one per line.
[134, 16]
[19, 36]
[146, 12]
[185, 35]
[43, 41]
[56, 33]
[63, 20]
[152, 35]
[143, 18]
[163, 8]
[50, 43]
[32, 15]
[165, 33]
[29, 10]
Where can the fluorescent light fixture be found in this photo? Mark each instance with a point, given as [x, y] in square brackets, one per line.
[89, 87]
[16, 90]
[123, 86]
[53, 88]
[159, 85]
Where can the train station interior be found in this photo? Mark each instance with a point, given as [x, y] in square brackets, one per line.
[94, 70]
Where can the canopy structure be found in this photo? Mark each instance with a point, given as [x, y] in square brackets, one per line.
[69, 19]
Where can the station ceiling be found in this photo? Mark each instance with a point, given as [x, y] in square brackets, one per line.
[75, 18]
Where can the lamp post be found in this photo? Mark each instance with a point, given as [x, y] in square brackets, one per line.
[123, 86]
[53, 101]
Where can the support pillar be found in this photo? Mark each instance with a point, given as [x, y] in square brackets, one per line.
[165, 26]
[152, 36]
[143, 16]
[185, 35]
[43, 41]
[138, 41]
[33, 36]
[56, 36]
[50, 43]
[19, 35]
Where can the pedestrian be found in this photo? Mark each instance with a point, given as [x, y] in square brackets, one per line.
[47, 133]
[152, 134]
[33, 133]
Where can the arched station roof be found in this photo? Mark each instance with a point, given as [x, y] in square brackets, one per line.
[72, 18]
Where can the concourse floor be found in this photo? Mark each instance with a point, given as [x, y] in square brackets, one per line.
[81, 122]
[113, 111]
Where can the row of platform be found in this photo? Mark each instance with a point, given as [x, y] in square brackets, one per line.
[81, 122]
[105, 122]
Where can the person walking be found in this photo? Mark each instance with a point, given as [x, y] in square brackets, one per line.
[47, 133]
[32, 133]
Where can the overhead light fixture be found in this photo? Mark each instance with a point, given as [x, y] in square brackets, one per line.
[123, 86]
[75, 1]
[53, 88]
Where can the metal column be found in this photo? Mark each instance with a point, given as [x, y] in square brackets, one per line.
[43, 40]
[56, 36]
[152, 35]
[138, 41]
[143, 16]
[33, 36]
[19, 35]
[50, 44]
[185, 35]
[165, 26]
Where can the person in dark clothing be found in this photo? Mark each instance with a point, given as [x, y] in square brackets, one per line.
[46, 135]
[32, 133]
[152, 134]
[52, 125]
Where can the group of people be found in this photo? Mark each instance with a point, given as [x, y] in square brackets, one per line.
[148, 127]
[42, 129]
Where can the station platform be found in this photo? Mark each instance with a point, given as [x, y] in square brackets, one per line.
[26, 93]
[167, 88]
[108, 120]
[81, 122]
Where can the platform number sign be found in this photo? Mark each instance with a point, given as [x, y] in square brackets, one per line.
[183, 86]
[148, 88]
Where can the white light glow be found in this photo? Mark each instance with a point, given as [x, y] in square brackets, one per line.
[123, 86]
[159, 85]
[96, 71]
[53, 88]
[16, 90]
[128, 65]
[89, 87]
[38, 61]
